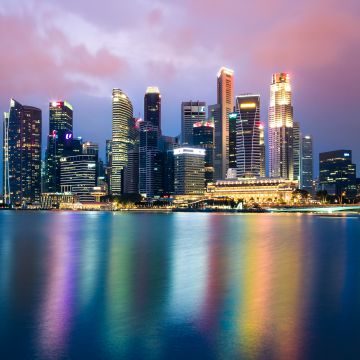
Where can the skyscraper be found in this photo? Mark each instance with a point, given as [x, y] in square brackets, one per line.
[337, 173]
[306, 165]
[191, 113]
[232, 140]
[203, 136]
[59, 141]
[149, 182]
[296, 150]
[262, 151]
[152, 106]
[22, 154]
[122, 112]
[189, 171]
[248, 150]
[78, 176]
[281, 162]
[225, 101]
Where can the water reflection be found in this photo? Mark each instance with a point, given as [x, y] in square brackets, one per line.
[159, 286]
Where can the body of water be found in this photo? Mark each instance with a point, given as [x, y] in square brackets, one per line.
[178, 286]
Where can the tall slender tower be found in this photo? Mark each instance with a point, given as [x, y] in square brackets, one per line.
[307, 164]
[262, 150]
[296, 150]
[248, 135]
[281, 160]
[22, 154]
[122, 112]
[152, 106]
[59, 139]
[225, 100]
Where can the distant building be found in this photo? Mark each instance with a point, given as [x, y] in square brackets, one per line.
[262, 151]
[203, 136]
[296, 150]
[191, 113]
[189, 171]
[22, 154]
[152, 107]
[131, 170]
[248, 150]
[78, 176]
[261, 191]
[60, 140]
[307, 164]
[90, 148]
[281, 159]
[122, 112]
[233, 119]
[225, 105]
[149, 181]
[337, 173]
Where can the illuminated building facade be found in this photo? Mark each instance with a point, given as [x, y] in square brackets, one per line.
[232, 141]
[307, 164]
[191, 113]
[260, 191]
[152, 106]
[150, 180]
[262, 151]
[203, 137]
[225, 102]
[248, 135]
[122, 112]
[60, 140]
[296, 150]
[78, 176]
[22, 154]
[337, 173]
[189, 171]
[131, 172]
[281, 159]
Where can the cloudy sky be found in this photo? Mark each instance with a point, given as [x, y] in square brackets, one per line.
[79, 50]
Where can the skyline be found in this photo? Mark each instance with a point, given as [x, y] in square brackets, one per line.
[62, 63]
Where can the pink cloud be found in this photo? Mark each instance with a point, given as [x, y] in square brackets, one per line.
[44, 64]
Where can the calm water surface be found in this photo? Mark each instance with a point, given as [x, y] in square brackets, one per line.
[178, 286]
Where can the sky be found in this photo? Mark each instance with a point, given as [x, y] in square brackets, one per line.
[80, 50]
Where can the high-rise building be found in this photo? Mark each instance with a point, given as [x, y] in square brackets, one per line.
[306, 164]
[225, 101]
[296, 150]
[203, 137]
[131, 173]
[152, 106]
[191, 113]
[262, 151]
[189, 171]
[60, 140]
[232, 141]
[281, 159]
[90, 148]
[78, 176]
[149, 181]
[248, 152]
[122, 112]
[22, 154]
[108, 152]
[337, 173]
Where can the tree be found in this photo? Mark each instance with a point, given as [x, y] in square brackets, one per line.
[322, 195]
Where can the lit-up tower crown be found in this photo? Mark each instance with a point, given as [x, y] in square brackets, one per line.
[152, 106]
[281, 162]
[122, 112]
